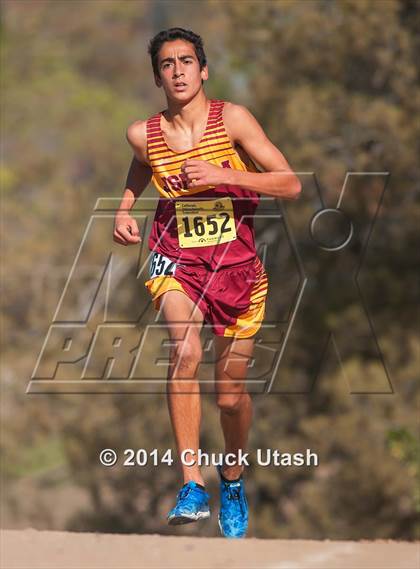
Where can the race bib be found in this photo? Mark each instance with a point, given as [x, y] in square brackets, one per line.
[161, 266]
[204, 223]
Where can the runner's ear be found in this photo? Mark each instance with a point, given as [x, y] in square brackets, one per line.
[204, 74]
[158, 81]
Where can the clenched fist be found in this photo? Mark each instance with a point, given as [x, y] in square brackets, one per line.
[126, 231]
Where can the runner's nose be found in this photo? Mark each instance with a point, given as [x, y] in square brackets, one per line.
[177, 70]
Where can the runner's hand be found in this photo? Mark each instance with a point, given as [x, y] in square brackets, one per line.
[202, 173]
[126, 231]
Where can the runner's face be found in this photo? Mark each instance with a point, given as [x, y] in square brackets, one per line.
[179, 69]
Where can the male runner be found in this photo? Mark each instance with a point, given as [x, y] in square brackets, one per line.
[200, 154]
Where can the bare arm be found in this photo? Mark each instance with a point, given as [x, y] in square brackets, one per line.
[126, 231]
[243, 129]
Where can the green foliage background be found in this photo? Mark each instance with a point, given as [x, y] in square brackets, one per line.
[336, 86]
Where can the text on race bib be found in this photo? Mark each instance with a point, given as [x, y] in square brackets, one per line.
[204, 223]
[161, 266]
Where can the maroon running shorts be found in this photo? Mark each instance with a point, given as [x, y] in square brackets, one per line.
[231, 299]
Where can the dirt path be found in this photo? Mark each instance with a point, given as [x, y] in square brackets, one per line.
[32, 549]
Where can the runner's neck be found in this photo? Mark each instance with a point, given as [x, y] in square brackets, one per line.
[184, 117]
[174, 133]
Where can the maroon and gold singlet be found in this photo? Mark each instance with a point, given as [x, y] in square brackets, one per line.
[203, 238]
[208, 226]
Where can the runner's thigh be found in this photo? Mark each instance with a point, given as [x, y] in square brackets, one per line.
[181, 315]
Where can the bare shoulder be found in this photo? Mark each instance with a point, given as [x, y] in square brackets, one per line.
[233, 112]
[137, 138]
[240, 122]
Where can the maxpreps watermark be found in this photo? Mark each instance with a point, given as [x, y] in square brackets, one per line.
[190, 457]
[93, 345]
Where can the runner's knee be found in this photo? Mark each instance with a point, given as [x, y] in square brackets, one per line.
[229, 402]
[187, 356]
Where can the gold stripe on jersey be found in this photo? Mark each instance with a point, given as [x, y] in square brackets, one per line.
[214, 147]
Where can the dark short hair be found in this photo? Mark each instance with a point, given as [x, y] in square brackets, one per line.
[174, 34]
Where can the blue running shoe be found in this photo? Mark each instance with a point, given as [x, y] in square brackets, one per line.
[233, 516]
[192, 505]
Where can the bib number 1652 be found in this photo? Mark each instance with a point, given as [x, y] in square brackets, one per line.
[205, 223]
[199, 226]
